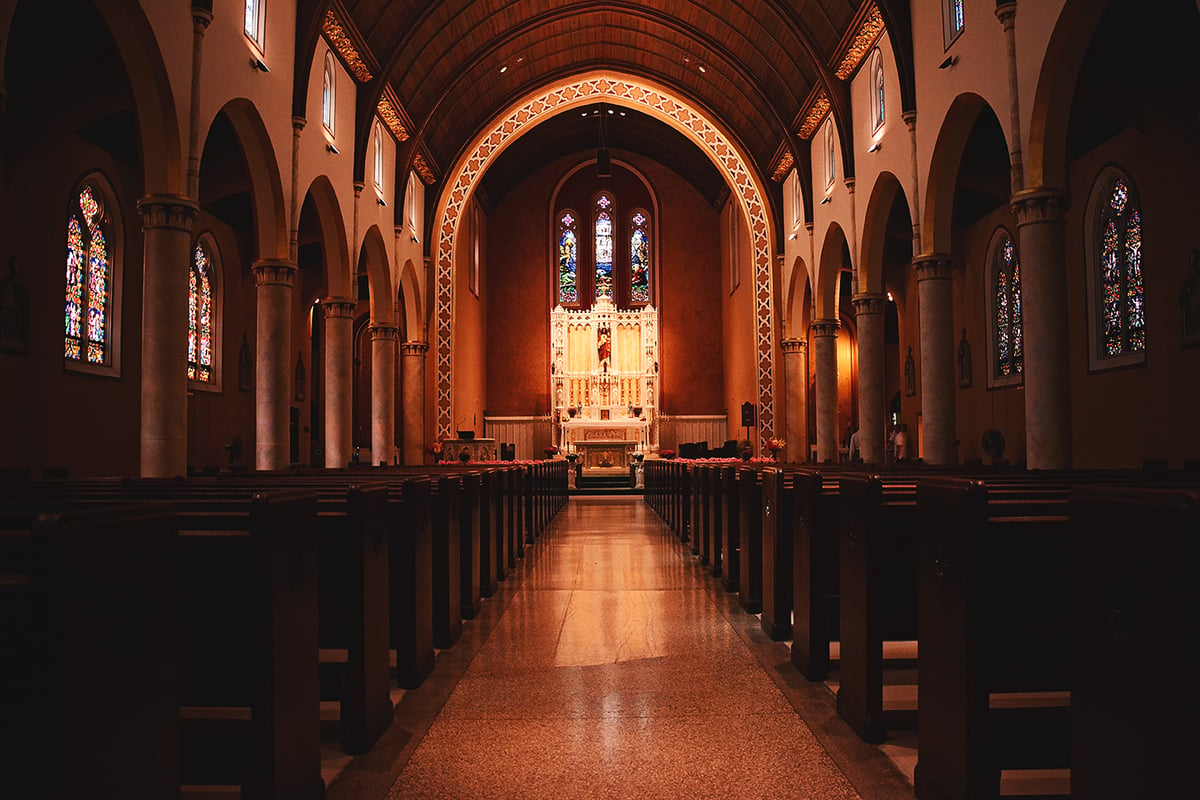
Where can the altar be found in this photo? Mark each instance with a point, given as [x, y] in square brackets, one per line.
[578, 432]
[600, 454]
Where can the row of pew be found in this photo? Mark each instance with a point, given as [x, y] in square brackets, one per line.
[1033, 627]
[168, 638]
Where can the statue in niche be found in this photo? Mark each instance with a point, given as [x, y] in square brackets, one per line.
[14, 312]
[300, 377]
[604, 347]
[1189, 303]
[245, 366]
[964, 362]
[910, 375]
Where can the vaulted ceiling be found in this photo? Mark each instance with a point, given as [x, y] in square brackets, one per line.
[753, 66]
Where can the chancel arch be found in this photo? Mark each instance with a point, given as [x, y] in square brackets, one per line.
[618, 90]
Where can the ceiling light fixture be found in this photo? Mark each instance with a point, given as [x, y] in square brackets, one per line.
[504, 69]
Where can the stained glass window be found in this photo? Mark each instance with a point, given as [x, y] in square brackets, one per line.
[1009, 351]
[830, 161]
[200, 316]
[254, 26]
[379, 158]
[639, 259]
[878, 112]
[1122, 328]
[327, 94]
[88, 279]
[568, 260]
[604, 247]
[953, 18]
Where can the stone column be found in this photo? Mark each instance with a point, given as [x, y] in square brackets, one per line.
[935, 286]
[412, 368]
[339, 380]
[384, 340]
[1042, 250]
[795, 372]
[273, 365]
[872, 376]
[824, 331]
[167, 235]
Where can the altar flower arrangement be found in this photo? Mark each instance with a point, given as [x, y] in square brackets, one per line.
[775, 444]
[551, 451]
[667, 454]
[435, 450]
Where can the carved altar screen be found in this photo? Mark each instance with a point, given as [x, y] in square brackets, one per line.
[604, 375]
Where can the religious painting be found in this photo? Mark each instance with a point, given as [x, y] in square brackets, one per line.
[910, 375]
[964, 362]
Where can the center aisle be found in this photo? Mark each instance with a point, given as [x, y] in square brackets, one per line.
[615, 671]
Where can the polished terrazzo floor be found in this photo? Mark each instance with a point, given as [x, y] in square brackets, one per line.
[610, 665]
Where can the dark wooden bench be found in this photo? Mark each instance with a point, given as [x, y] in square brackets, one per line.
[815, 574]
[778, 535]
[993, 579]
[1135, 699]
[89, 655]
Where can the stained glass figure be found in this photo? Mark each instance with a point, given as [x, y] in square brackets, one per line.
[1009, 355]
[200, 316]
[568, 260]
[1120, 280]
[639, 259]
[87, 282]
[604, 248]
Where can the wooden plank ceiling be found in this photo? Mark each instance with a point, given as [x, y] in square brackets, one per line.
[751, 64]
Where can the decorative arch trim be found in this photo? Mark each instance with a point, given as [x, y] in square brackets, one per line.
[629, 92]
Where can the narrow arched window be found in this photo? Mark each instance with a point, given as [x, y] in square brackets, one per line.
[1118, 301]
[378, 139]
[254, 22]
[327, 94]
[91, 291]
[201, 315]
[603, 241]
[953, 19]
[568, 259]
[639, 258]
[830, 160]
[1007, 337]
[878, 109]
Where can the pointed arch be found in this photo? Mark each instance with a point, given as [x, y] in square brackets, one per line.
[412, 303]
[831, 262]
[736, 166]
[798, 301]
[270, 215]
[875, 231]
[375, 255]
[335, 242]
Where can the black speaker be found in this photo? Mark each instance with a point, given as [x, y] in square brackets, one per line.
[603, 163]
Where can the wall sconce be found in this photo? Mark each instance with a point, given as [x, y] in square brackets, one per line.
[331, 148]
[257, 63]
[949, 62]
[824, 200]
[875, 148]
[381, 201]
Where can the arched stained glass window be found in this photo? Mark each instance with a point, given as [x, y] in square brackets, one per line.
[254, 22]
[1116, 278]
[953, 19]
[878, 110]
[1009, 351]
[89, 273]
[604, 246]
[378, 138]
[1124, 312]
[639, 258]
[568, 259]
[201, 315]
[327, 94]
[830, 160]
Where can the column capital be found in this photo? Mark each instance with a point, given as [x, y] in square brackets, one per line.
[826, 327]
[170, 211]
[339, 307]
[869, 303]
[794, 346]
[274, 272]
[1044, 204]
[414, 348]
[201, 17]
[298, 123]
[384, 333]
[933, 266]
[1006, 13]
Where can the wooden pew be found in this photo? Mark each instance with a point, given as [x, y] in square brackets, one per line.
[89, 660]
[992, 572]
[1135, 699]
[713, 518]
[778, 531]
[750, 539]
[731, 516]
[815, 572]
